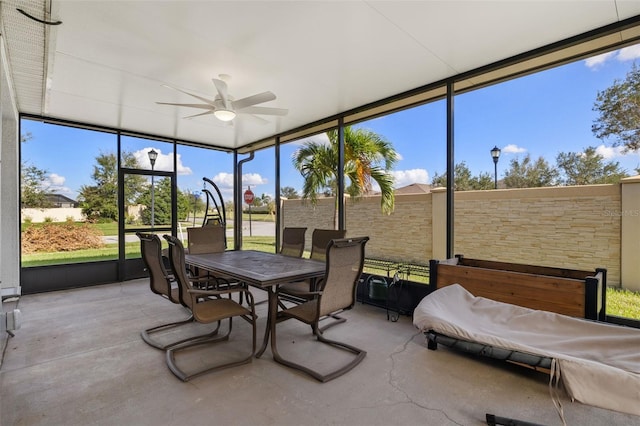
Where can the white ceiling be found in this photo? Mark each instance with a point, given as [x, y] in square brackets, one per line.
[107, 62]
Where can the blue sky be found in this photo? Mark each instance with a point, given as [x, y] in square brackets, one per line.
[542, 115]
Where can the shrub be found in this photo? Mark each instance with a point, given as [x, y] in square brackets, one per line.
[55, 237]
[48, 219]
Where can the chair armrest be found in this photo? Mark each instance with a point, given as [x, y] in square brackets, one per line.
[197, 293]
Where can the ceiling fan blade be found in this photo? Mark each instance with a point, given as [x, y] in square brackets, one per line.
[221, 86]
[253, 100]
[198, 115]
[205, 100]
[264, 110]
[258, 119]
[201, 106]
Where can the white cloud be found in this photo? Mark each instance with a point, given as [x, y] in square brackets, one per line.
[404, 177]
[56, 179]
[182, 169]
[223, 180]
[54, 183]
[609, 152]
[319, 138]
[407, 177]
[253, 179]
[629, 53]
[513, 149]
[164, 162]
[597, 61]
[625, 54]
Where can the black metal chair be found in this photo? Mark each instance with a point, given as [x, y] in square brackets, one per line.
[336, 292]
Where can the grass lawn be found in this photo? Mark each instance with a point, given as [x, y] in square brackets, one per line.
[108, 252]
[132, 250]
[623, 303]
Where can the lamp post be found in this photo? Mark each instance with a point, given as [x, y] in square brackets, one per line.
[152, 159]
[495, 154]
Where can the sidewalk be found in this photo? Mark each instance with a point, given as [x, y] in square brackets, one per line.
[253, 229]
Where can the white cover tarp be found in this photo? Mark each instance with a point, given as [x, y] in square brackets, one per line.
[599, 362]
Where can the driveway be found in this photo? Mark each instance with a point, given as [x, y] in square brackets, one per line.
[255, 229]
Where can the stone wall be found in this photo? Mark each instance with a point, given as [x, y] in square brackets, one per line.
[389, 235]
[576, 227]
[565, 227]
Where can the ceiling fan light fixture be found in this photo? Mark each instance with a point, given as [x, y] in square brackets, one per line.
[224, 114]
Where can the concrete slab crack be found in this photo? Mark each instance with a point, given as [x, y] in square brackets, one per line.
[394, 384]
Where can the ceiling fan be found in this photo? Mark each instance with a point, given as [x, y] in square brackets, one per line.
[224, 107]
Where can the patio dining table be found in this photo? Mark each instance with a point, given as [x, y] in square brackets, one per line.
[262, 270]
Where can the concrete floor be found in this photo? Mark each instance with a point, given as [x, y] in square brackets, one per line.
[78, 360]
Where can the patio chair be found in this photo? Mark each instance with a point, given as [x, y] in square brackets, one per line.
[163, 284]
[300, 291]
[160, 282]
[207, 306]
[292, 245]
[320, 241]
[337, 292]
[208, 239]
[293, 241]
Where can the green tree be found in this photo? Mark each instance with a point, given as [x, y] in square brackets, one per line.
[265, 199]
[183, 201]
[262, 200]
[463, 180]
[269, 203]
[196, 203]
[618, 109]
[162, 203]
[588, 168]
[228, 208]
[289, 192]
[100, 201]
[527, 174]
[367, 157]
[33, 191]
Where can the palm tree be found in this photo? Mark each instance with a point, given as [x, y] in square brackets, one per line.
[367, 157]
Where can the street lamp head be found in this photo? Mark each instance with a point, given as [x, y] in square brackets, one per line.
[495, 154]
[153, 155]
